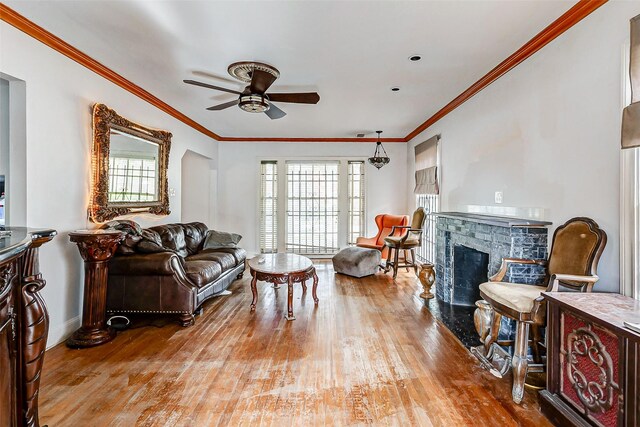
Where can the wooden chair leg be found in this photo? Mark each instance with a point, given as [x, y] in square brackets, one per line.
[536, 337]
[396, 255]
[519, 363]
[494, 330]
[406, 259]
[388, 264]
[413, 261]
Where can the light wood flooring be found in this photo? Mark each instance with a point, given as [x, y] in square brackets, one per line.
[369, 354]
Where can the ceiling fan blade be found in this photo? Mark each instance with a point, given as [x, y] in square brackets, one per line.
[207, 85]
[223, 106]
[260, 81]
[298, 98]
[274, 112]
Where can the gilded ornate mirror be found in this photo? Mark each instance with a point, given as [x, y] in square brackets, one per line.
[129, 165]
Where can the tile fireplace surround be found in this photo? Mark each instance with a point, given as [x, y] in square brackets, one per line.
[499, 237]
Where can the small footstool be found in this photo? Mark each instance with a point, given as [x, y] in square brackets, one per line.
[356, 262]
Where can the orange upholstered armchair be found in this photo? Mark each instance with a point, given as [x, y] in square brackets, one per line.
[384, 223]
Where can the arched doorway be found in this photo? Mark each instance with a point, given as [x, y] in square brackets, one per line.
[199, 189]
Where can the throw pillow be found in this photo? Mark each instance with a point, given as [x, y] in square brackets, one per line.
[151, 243]
[220, 239]
[133, 230]
[128, 226]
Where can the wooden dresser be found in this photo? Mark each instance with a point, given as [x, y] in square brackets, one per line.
[24, 324]
[593, 361]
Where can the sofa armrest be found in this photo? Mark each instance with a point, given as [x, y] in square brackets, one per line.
[157, 264]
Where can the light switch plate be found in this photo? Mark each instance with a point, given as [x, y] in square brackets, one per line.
[172, 192]
[498, 197]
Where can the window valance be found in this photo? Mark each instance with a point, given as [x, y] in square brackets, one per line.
[631, 114]
[427, 167]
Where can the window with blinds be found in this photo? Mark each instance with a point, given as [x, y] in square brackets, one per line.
[355, 186]
[427, 252]
[426, 191]
[268, 207]
[312, 207]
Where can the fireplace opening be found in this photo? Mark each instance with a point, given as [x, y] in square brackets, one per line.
[470, 269]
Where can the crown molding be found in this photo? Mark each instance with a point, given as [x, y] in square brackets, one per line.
[279, 139]
[30, 28]
[570, 18]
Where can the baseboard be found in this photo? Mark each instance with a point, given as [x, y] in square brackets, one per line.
[59, 334]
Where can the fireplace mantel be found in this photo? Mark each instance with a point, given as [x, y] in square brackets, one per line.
[499, 221]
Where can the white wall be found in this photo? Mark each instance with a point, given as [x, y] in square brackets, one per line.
[198, 201]
[59, 95]
[239, 175]
[547, 134]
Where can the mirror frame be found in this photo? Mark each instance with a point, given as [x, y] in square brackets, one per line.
[100, 209]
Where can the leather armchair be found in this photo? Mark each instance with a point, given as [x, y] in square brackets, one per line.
[386, 224]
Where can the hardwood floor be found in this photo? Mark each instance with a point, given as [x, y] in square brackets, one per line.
[369, 353]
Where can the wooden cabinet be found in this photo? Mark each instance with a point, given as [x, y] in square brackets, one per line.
[7, 349]
[593, 372]
[24, 324]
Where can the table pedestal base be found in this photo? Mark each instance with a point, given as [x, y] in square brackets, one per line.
[282, 278]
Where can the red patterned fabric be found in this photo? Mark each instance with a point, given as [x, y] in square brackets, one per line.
[589, 362]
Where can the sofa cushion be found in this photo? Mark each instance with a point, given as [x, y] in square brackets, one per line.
[221, 239]
[150, 243]
[239, 254]
[172, 237]
[194, 235]
[226, 261]
[202, 272]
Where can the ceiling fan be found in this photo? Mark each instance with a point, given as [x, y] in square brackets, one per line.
[254, 98]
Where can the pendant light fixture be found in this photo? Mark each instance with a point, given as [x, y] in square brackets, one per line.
[380, 157]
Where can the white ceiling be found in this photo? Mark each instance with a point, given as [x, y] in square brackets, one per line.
[351, 52]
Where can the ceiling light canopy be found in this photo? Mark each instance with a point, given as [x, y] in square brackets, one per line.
[380, 157]
[243, 70]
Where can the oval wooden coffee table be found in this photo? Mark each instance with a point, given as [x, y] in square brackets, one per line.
[281, 269]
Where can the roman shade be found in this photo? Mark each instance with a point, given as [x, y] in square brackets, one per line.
[427, 167]
[631, 114]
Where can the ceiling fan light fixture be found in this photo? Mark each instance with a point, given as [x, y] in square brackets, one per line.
[380, 157]
[254, 103]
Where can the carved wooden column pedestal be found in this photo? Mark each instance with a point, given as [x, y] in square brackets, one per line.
[96, 248]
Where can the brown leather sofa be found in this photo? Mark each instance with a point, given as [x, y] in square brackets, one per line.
[166, 270]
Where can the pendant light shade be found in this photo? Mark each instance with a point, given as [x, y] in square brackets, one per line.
[380, 157]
